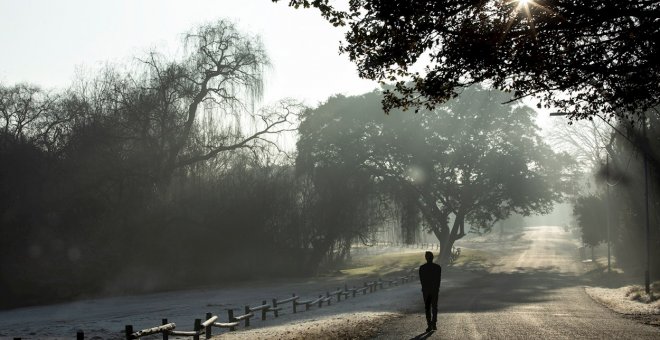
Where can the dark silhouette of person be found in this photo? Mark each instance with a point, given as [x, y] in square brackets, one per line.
[429, 275]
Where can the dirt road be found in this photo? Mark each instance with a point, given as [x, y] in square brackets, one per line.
[536, 293]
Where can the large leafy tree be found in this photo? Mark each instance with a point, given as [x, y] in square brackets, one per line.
[470, 162]
[582, 57]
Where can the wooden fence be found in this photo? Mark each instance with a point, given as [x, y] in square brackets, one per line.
[204, 327]
[428, 246]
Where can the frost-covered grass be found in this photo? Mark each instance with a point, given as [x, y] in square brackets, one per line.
[383, 264]
[394, 262]
[638, 293]
[628, 299]
[618, 291]
[474, 259]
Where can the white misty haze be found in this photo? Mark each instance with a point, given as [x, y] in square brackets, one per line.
[44, 42]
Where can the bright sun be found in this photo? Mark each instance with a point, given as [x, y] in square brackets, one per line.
[523, 3]
[522, 6]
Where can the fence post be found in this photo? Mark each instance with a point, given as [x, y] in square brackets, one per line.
[275, 307]
[263, 311]
[354, 291]
[209, 329]
[320, 301]
[197, 328]
[293, 303]
[80, 335]
[129, 331]
[247, 320]
[364, 291]
[338, 295]
[166, 335]
[230, 317]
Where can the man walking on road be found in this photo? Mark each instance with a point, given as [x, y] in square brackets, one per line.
[429, 275]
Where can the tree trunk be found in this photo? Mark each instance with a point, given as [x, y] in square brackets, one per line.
[447, 242]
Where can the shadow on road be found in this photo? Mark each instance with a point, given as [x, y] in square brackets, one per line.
[496, 291]
[423, 336]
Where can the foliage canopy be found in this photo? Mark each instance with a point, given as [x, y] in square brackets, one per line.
[580, 57]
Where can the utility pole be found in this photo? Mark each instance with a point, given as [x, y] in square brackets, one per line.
[607, 183]
[647, 273]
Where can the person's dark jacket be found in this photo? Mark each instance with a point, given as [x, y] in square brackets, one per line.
[429, 275]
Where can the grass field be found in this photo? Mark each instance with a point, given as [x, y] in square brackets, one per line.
[382, 264]
[389, 263]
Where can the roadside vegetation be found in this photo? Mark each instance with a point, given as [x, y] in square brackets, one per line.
[621, 291]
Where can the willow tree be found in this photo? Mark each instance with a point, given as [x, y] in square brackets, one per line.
[158, 105]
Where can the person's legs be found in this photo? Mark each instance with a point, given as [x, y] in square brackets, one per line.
[428, 300]
[434, 308]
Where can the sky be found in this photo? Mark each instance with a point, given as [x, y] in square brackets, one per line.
[47, 42]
